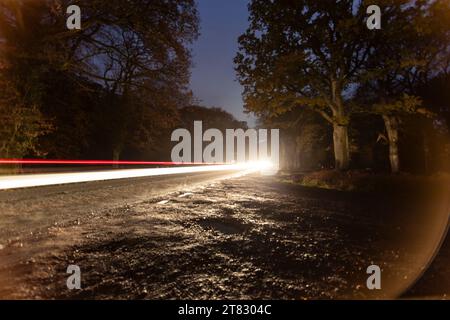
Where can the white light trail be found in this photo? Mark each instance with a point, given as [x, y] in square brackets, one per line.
[39, 180]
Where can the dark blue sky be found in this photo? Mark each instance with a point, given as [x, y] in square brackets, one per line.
[213, 78]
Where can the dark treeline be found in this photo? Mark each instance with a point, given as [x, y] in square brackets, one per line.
[345, 95]
[115, 89]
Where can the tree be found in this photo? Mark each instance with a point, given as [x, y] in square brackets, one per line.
[305, 53]
[212, 118]
[413, 48]
[21, 69]
[122, 76]
[304, 140]
[21, 123]
[391, 114]
[138, 50]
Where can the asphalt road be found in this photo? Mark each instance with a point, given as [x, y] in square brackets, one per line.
[212, 236]
[29, 209]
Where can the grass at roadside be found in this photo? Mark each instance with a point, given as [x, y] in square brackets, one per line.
[363, 181]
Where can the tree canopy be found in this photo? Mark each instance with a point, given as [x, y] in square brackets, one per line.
[113, 84]
[316, 54]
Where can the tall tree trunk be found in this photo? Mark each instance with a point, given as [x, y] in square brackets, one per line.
[391, 124]
[341, 147]
[298, 154]
[340, 128]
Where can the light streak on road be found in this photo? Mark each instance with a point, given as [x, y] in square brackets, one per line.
[39, 180]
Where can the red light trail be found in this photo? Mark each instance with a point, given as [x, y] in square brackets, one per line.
[100, 162]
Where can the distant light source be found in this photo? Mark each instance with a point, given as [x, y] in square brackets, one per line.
[265, 167]
[260, 165]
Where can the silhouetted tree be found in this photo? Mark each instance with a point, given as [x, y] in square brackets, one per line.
[413, 47]
[305, 54]
[138, 50]
[114, 84]
[22, 68]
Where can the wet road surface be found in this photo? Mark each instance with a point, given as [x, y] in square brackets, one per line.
[203, 237]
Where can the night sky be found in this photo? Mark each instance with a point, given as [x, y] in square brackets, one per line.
[213, 78]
